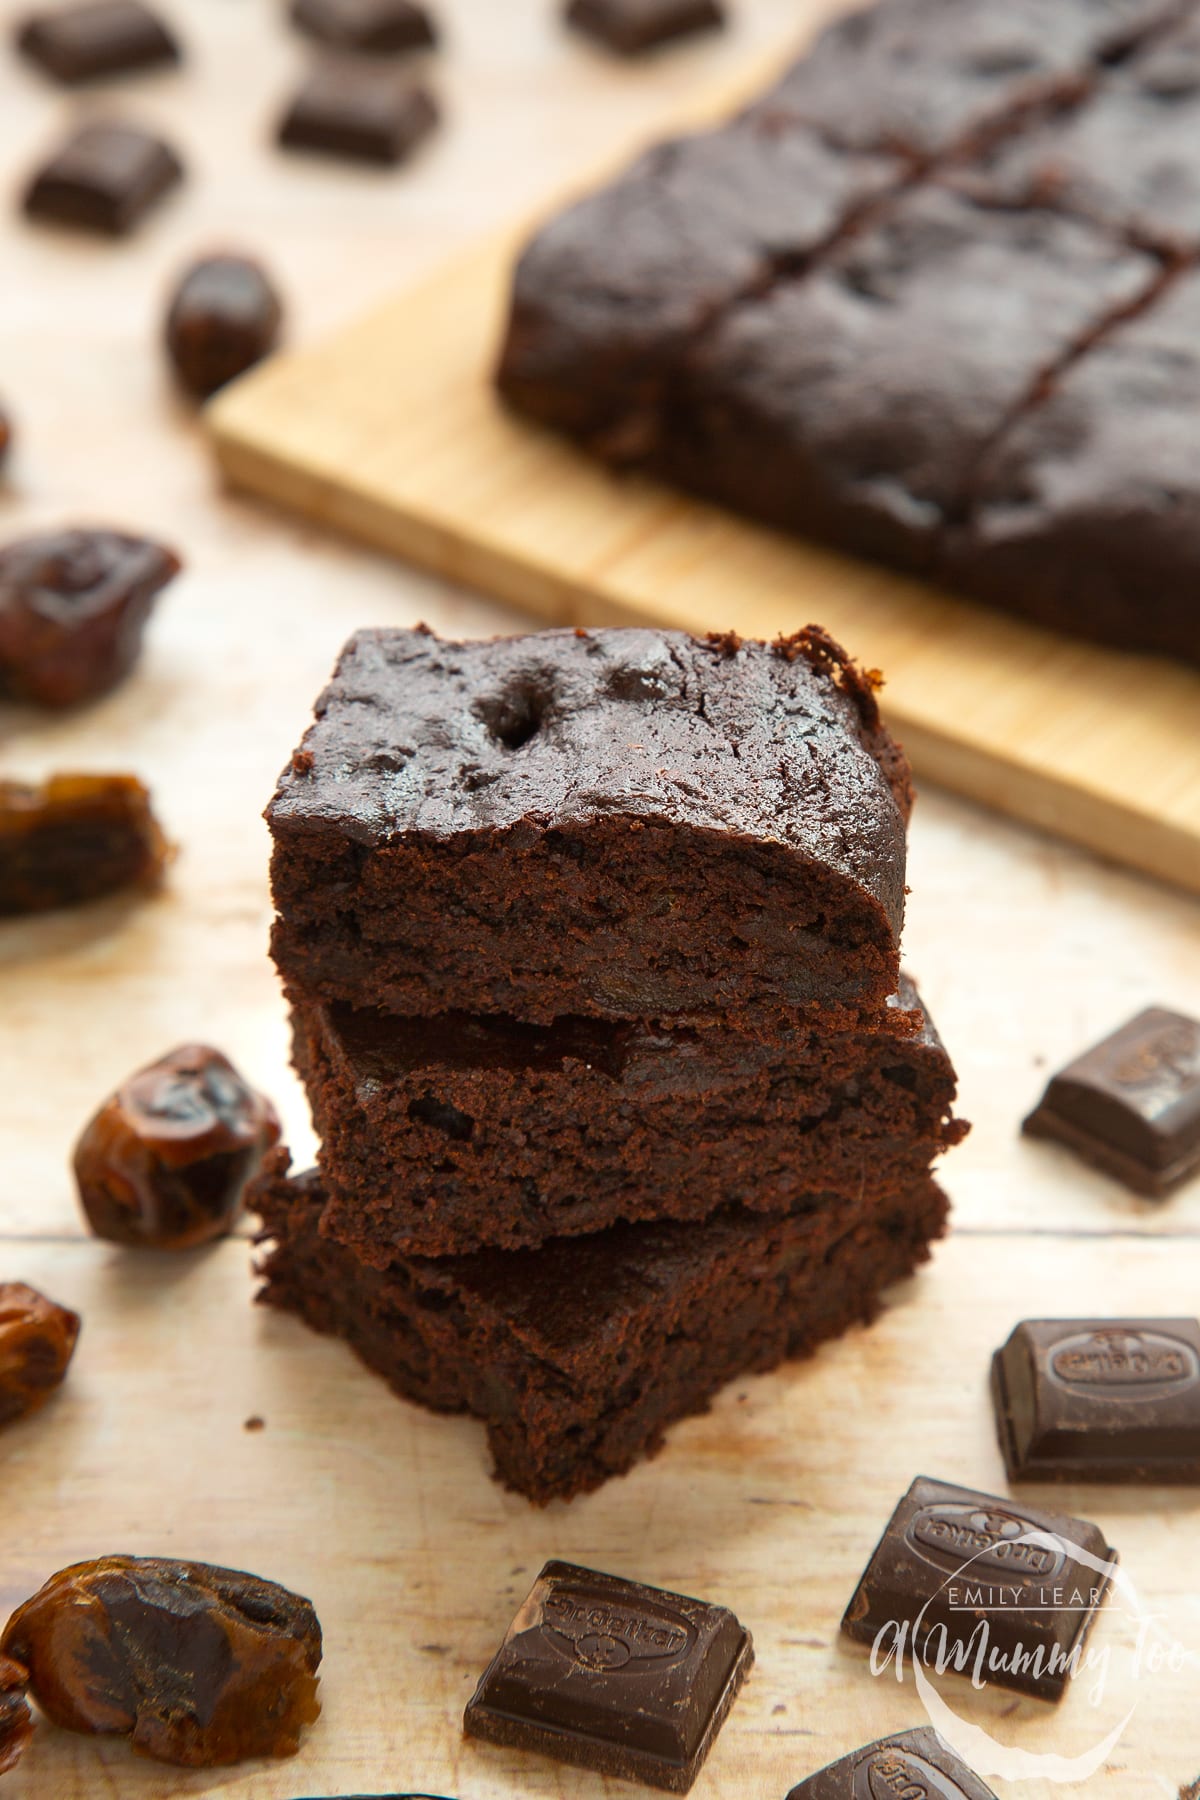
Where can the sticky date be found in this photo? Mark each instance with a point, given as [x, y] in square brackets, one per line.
[224, 317]
[5, 437]
[73, 605]
[165, 1161]
[16, 1724]
[196, 1665]
[37, 1342]
[76, 838]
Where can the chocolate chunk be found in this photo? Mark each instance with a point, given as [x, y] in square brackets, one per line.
[73, 605]
[376, 27]
[979, 1586]
[631, 26]
[105, 178]
[912, 1765]
[1100, 1400]
[224, 317]
[613, 1676]
[81, 43]
[1130, 1105]
[361, 111]
[74, 839]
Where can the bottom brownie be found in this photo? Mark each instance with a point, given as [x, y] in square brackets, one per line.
[577, 1356]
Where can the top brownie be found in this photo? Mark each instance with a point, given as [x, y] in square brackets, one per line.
[625, 823]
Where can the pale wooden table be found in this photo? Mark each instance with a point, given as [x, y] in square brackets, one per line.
[1025, 951]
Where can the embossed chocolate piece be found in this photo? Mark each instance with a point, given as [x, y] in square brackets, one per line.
[105, 178]
[373, 27]
[912, 1765]
[979, 1586]
[361, 111]
[1100, 1400]
[613, 1676]
[1130, 1105]
[96, 38]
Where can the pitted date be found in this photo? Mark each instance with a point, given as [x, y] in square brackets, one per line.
[73, 605]
[165, 1161]
[16, 1722]
[224, 317]
[76, 838]
[37, 1342]
[196, 1665]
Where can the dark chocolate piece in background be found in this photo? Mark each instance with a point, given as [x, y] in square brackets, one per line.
[105, 178]
[951, 1562]
[1130, 1105]
[97, 38]
[910, 1763]
[613, 1676]
[631, 26]
[224, 317]
[359, 110]
[6, 435]
[1100, 1400]
[374, 27]
[73, 606]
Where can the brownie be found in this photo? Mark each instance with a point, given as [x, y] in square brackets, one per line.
[926, 76]
[1085, 515]
[578, 1356]
[94, 39]
[1127, 158]
[105, 178]
[626, 823]
[441, 1134]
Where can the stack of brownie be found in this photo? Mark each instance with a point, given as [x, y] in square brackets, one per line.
[591, 940]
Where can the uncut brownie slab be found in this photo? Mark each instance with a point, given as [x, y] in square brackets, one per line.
[600, 823]
[443, 1134]
[1086, 513]
[578, 1356]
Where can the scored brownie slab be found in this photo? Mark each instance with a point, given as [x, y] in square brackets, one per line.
[442, 1134]
[1086, 513]
[578, 1356]
[602, 823]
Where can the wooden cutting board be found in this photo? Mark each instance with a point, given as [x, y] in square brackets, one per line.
[390, 432]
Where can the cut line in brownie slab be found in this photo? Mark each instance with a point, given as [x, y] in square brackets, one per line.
[609, 823]
[1086, 515]
[579, 1355]
[851, 406]
[1127, 159]
[930, 78]
[440, 1135]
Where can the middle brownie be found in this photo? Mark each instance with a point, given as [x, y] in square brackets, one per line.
[443, 1134]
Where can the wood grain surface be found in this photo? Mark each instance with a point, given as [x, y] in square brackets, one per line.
[1025, 949]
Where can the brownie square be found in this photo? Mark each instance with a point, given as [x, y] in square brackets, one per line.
[610, 823]
[579, 1355]
[1113, 1400]
[609, 294]
[98, 38]
[852, 406]
[980, 1584]
[105, 178]
[1085, 515]
[631, 27]
[614, 1676]
[442, 1134]
[911, 1765]
[372, 27]
[362, 111]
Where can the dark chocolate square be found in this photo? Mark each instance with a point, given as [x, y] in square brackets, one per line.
[910, 1765]
[105, 178]
[613, 1676]
[359, 110]
[1131, 1104]
[983, 1587]
[631, 26]
[374, 27]
[82, 43]
[1100, 1400]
